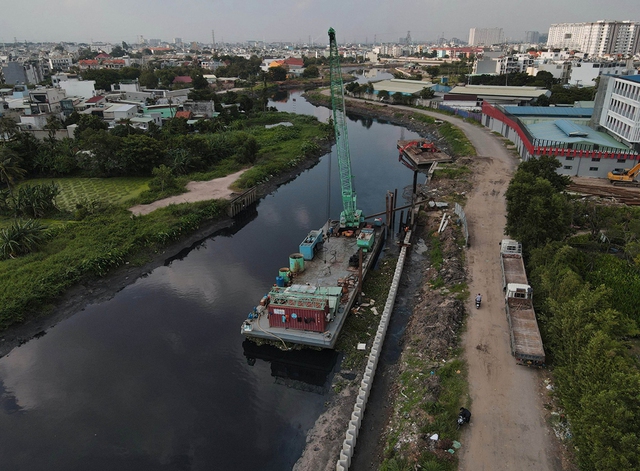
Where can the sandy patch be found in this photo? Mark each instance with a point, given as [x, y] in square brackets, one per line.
[196, 191]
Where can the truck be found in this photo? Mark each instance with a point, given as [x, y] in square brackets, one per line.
[525, 338]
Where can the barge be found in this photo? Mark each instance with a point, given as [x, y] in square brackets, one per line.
[311, 298]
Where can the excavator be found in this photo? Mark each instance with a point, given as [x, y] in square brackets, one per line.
[625, 177]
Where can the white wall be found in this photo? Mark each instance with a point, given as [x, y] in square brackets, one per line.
[82, 88]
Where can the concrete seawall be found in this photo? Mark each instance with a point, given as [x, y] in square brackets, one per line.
[349, 444]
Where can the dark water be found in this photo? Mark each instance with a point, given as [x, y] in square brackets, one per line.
[157, 378]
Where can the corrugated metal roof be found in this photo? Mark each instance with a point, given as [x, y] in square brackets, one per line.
[571, 129]
[403, 86]
[567, 111]
[499, 91]
[631, 78]
[548, 130]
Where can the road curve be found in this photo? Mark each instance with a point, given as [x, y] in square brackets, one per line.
[508, 430]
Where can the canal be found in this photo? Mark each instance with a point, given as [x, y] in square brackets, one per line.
[158, 377]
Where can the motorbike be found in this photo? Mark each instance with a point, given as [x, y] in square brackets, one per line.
[463, 418]
[478, 301]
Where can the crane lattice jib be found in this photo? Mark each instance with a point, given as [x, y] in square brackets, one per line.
[350, 217]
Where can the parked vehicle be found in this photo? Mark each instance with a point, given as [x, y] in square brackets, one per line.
[526, 342]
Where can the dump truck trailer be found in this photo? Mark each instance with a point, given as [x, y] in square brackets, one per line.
[526, 341]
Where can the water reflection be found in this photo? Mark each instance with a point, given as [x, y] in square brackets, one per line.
[156, 378]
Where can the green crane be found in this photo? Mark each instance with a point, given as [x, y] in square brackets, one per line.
[350, 217]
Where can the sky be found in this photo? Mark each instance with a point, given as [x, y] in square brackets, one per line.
[355, 21]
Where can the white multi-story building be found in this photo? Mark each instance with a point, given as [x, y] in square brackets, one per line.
[618, 109]
[485, 36]
[584, 74]
[598, 38]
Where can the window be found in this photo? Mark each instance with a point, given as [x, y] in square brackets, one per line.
[621, 161]
[568, 167]
[568, 158]
[593, 169]
[595, 159]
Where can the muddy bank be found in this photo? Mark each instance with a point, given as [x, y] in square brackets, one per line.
[97, 290]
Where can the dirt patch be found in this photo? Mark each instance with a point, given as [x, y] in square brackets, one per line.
[218, 188]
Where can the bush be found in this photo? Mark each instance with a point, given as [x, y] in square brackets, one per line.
[21, 237]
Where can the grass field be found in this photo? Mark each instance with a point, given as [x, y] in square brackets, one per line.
[108, 190]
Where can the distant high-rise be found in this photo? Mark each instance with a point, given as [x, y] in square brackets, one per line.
[485, 36]
[177, 40]
[597, 38]
[531, 37]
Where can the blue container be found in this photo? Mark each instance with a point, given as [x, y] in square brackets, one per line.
[280, 281]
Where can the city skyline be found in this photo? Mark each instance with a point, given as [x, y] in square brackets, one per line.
[297, 21]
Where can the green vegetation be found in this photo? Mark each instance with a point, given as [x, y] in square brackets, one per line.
[361, 326]
[76, 251]
[586, 300]
[76, 190]
[456, 140]
[90, 231]
[452, 172]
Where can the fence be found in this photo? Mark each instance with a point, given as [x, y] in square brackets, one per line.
[463, 113]
[463, 219]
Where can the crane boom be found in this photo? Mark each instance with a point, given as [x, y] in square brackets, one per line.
[350, 217]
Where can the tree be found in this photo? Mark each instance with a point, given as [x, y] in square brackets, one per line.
[383, 95]
[311, 71]
[148, 79]
[277, 74]
[10, 170]
[53, 125]
[398, 98]
[162, 178]
[8, 128]
[199, 82]
[545, 166]
[536, 212]
[543, 100]
[427, 93]
[139, 154]
[117, 51]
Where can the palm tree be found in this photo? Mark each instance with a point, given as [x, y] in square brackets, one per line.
[8, 128]
[10, 172]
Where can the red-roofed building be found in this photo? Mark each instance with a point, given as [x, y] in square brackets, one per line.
[294, 63]
[182, 79]
[184, 114]
[95, 100]
[113, 63]
[103, 55]
[88, 64]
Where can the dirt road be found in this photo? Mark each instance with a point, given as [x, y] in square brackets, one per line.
[508, 429]
[196, 191]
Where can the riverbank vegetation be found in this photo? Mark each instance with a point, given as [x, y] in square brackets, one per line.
[91, 232]
[584, 265]
[432, 381]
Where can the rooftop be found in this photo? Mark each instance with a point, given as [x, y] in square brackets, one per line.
[400, 85]
[560, 131]
[549, 111]
[499, 91]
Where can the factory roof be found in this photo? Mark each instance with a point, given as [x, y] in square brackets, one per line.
[548, 111]
[400, 85]
[499, 91]
[562, 130]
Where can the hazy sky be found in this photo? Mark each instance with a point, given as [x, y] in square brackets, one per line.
[292, 20]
